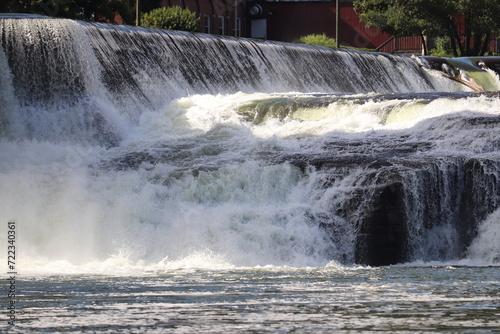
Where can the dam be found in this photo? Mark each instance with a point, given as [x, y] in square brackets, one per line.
[158, 145]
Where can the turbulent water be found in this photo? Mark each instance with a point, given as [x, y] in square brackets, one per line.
[164, 181]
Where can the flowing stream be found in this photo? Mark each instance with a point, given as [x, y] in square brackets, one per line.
[162, 181]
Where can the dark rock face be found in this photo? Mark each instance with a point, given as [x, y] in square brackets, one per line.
[415, 210]
[382, 239]
[480, 197]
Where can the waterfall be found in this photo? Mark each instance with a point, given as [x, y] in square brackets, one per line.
[143, 147]
[56, 84]
[88, 82]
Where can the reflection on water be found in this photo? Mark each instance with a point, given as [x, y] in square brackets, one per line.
[272, 299]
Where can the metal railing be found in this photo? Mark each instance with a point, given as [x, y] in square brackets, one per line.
[404, 44]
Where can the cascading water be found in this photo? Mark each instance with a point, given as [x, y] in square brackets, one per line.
[149, 148]
[111, 74]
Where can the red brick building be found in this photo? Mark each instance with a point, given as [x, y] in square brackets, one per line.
[285, 20]
[220, 17]
[288, 20]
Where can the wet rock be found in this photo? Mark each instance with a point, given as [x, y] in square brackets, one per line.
[382, 239]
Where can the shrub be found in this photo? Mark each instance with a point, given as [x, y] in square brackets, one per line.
[443, 47]
[173, 18]
[317, 39]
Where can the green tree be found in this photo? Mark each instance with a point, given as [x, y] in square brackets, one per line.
[87, 10]
[146, 5]
[19, 6]
[469, 24]
[173, 18]
[94, 10]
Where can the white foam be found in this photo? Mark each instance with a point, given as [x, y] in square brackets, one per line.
[214, 207]
[486, 246]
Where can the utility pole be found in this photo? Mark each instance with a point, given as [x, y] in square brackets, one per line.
[137, 12]
[337, 23]
[235, 18]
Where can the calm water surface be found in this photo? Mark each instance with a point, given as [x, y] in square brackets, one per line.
[331, 299]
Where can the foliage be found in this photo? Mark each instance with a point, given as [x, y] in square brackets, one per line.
[173, 18]
[442, 47]
[18, 6]
[317, 39]
[87, 10]
[146, 5]
[477, 20]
